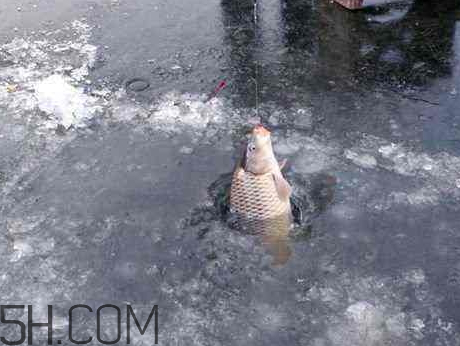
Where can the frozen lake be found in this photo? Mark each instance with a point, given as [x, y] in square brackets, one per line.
[112, 166]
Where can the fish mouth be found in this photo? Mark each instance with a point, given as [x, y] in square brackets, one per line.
[260, 130]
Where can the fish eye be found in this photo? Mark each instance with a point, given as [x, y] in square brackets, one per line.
[251, 147]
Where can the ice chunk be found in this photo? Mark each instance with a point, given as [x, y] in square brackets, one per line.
[127, 112]
[186, 150]
[21, 248]
[437, 174]
[417, 326]
[364, 314]
[66, 104]
[362, 160]
[303, 118]
[387, 150]
[424, 196]
[175, 113]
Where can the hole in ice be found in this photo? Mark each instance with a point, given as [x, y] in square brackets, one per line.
[137, 84]
[220, 193]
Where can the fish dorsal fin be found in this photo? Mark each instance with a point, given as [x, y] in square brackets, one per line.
[282, 187]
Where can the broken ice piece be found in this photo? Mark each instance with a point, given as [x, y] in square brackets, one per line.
[363, 160]
[186, 150]
[66, 104]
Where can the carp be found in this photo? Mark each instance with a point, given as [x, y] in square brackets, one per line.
[260, 195]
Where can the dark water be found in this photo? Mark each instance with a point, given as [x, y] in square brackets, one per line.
[130, 206]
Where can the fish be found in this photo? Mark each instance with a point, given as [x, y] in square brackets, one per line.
[260, 195]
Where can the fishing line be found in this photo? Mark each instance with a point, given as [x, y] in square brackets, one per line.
[256, 70]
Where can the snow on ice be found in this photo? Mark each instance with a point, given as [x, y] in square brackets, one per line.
[46, 79]
[65, 104]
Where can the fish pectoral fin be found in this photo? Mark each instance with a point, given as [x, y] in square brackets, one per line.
[282, 187]
[282, 164]
[239, 172]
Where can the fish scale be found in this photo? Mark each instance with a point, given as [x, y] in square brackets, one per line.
[254, 196]
[254, 200]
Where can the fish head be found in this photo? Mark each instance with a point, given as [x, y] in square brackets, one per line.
[259, 152]
[259, 141]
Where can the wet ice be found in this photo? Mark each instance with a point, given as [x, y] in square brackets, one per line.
[213, 280]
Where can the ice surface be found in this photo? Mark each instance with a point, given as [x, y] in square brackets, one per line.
[216, 284]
